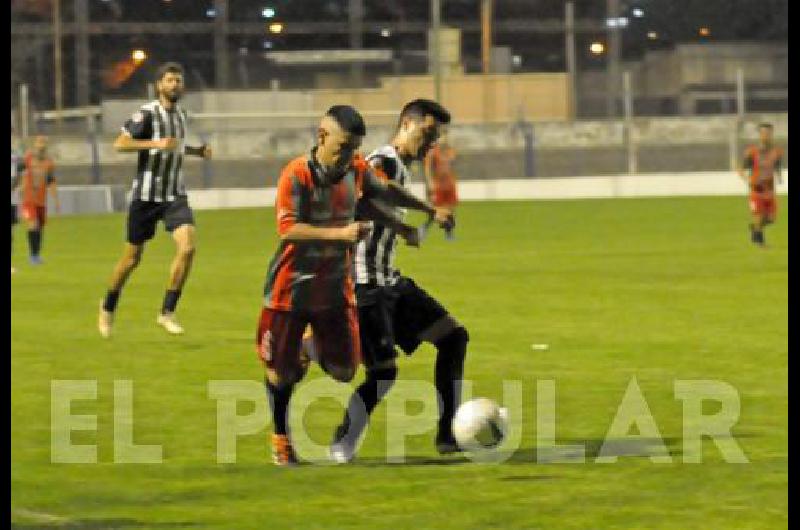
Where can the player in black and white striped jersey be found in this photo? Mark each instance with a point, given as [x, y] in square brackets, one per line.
[157, 132]
[392, 309]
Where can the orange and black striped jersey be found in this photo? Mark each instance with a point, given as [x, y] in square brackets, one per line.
[763, 164]
[314, 275]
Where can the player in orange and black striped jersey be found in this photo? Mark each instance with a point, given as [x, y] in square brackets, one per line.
[309, 281]
[38, 180]
[761, 167]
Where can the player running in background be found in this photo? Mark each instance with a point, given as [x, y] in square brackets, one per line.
[761, 167]
[158, 133]
[17, 167]
[309, 281]
[392, 309]
[440, 177]
[38, 179]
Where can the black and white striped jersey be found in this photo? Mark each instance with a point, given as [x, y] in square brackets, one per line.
[158, 175]
[374, 256]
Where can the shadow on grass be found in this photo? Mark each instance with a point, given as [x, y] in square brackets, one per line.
[568, 450]
[577, 450]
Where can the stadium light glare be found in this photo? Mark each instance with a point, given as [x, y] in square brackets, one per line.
[617, 22]
[652, 35]
[704, 32]
[597, 48]
[637, 12]
[276, 27]
[385, 32]
[138, 56]
[268, 12]
[211, 12]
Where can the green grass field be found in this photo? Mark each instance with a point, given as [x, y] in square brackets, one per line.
[656, 289]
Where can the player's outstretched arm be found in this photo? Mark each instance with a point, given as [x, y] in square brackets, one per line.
[302, 232]
[375, 210]
[203, 151]
[53, 189]
[396, 195]
[125, 143]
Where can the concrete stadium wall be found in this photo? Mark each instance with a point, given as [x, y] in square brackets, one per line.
[107, 198]
[254, 158]
[471, 165]
[616, 186]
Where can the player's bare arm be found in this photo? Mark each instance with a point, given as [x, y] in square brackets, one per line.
[54, 195]
[383, 214]
[396, 195]
[125, 143]
[203, 151]
[744, 167]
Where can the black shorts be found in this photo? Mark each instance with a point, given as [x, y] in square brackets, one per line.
[143, 216]
[394, 316]
[13, 214]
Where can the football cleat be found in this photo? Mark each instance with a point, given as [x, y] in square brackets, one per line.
[343, 447]
[105, 321]
[170, 323]
[446, 444]
[282, 452]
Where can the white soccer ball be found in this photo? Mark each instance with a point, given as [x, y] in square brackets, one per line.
[480, 424]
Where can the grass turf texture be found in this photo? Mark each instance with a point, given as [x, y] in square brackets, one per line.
[657, 289]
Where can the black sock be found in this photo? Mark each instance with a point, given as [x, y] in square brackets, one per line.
[35, 241]
[110, 303]
[279, 403]
[170, 301]
[369, 393]
[449, 372]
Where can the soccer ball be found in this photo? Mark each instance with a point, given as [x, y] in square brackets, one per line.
[480, 424]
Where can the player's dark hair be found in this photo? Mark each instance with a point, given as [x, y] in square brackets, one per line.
[168, 68]
[348, 119]
[419, 108]
[765, 125]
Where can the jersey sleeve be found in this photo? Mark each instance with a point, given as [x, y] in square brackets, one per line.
[288, 200]
[139, 125]
[373, 182]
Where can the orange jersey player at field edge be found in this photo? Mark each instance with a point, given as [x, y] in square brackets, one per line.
[37, 179]
[761, 167]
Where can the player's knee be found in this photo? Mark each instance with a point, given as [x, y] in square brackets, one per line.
[459, 336]
[132, 261]
[341, 373]
[284, 378]
[383, 370]
[452, 348]
[186, 251]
